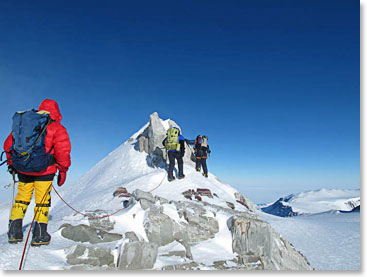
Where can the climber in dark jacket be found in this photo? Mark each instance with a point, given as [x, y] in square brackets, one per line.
[202, 150]
[175, 145]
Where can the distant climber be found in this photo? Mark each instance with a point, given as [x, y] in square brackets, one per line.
[175, 145]
[201, 148]
[36, 148]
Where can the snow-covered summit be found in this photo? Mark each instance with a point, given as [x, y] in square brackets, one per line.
[192, 223]
[315, 201]
[131, 167]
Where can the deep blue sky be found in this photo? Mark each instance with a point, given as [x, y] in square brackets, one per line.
[274, 84]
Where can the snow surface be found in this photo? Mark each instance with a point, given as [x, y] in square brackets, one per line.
[329, 241]
[127, 167]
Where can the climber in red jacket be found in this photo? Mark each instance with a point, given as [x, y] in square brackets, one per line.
[56, 143]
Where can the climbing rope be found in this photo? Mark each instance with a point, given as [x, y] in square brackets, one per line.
[87, 215]
[30, 228]
[43, 198]
[75, 210]
[164, 177]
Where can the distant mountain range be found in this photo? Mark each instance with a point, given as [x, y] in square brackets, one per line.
[316, 201]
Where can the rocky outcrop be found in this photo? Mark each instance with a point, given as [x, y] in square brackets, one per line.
[155, 232]
[256, 244]
[199, 227]
[161, 229]
[186, 266]
[150, 141]
[121, 192]
[131, 236]
[198, 194]
[254, 239]
[92, 256]
[244, 202]
[138, 255]
[85, 233]
[100, 223]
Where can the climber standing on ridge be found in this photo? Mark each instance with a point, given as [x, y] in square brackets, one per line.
[175, 145]
[36, 148]
[202, 150]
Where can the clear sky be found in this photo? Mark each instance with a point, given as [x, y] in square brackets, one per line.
[274, 84]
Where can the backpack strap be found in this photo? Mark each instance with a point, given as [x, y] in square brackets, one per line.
[30, 148]
[1, 158]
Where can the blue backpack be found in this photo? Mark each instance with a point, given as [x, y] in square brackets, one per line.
[29, 132]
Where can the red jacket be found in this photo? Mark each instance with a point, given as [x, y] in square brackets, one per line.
[56, 136]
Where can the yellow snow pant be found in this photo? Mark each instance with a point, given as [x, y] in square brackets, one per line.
[42, 198]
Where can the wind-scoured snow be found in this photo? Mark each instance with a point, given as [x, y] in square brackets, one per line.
[330, 240]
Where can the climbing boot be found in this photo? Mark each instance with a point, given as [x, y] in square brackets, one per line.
[15, 233]
[198, 169]
[40, 235]
[181, 176]
[205, 175]
[171, 179]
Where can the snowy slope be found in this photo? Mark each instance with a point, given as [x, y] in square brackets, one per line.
[317, 201]
[126, 167]
[330, 240]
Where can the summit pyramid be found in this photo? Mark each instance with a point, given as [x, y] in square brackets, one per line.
[192, 223]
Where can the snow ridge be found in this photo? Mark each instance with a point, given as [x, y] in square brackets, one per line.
[315, 201]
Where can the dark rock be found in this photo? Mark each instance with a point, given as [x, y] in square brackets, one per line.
[187, 266]
[204, 192]
[161, 200]
[197, 197]
[181, 254]
[119, 191]
[139, 194]
[253, 238]
[230, 205]
[243, 201]
[94, 256]
[100, 223]
[161, 229]
[145, 204]
[131, 236]
[279, 209]
[85, 233]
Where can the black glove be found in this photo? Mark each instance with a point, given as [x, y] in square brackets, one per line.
[209, 151]
[11, 170]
